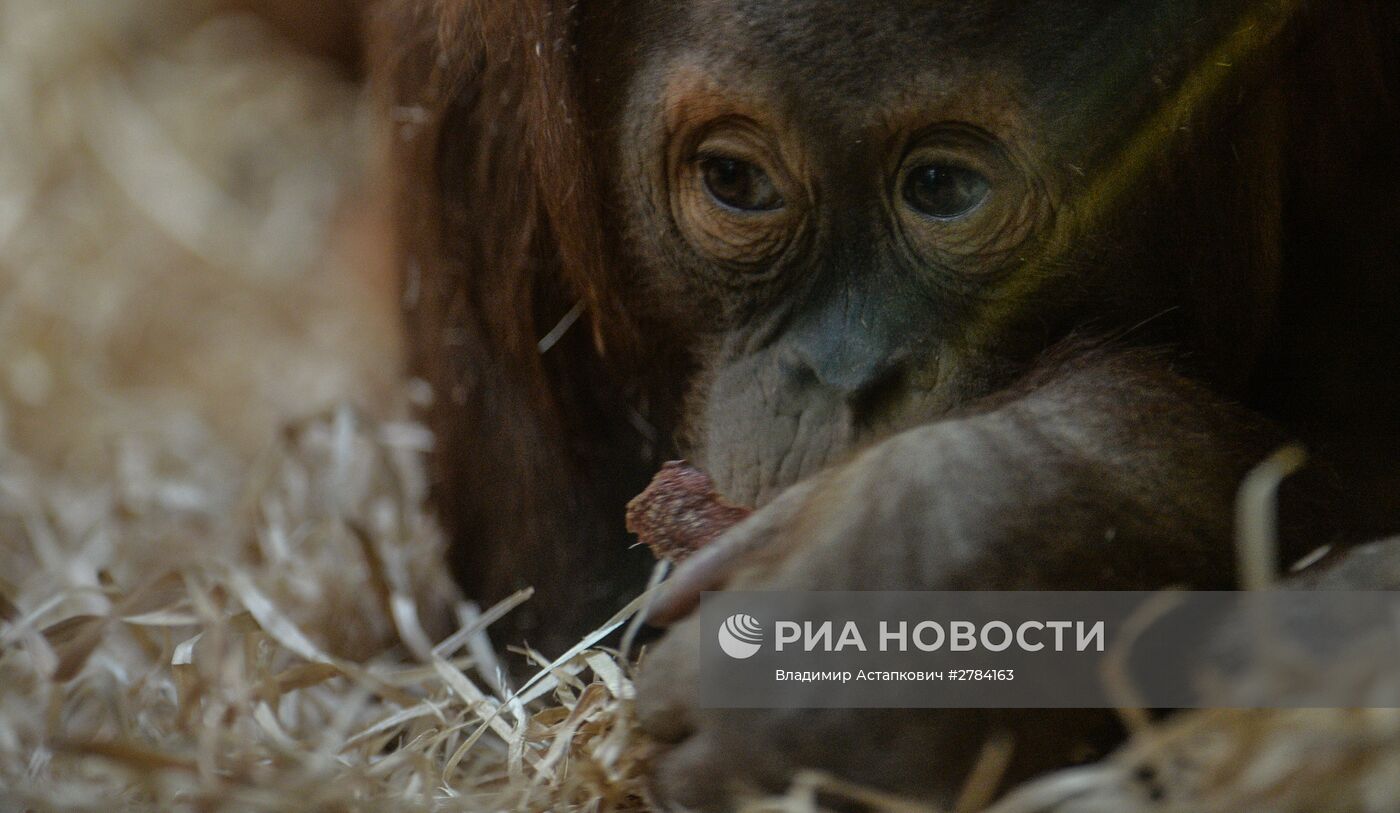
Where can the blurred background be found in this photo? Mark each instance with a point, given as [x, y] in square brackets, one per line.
[198, 349]
[171, 174]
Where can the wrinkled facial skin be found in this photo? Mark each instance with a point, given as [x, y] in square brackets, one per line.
[848, 203]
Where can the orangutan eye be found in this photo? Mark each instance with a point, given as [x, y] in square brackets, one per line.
[944, 191]
[739, 185]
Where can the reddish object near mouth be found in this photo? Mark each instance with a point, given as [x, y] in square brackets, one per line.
[680, 512]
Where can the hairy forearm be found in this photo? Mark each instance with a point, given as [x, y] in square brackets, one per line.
[1102, 472]
[1107, 470]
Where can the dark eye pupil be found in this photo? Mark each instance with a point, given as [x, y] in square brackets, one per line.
[740, 185]
[944, 191]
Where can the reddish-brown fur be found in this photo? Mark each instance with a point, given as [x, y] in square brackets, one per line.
[500, 239]
[505, 229]
[501, 235]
